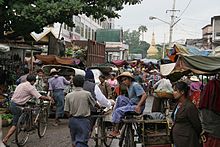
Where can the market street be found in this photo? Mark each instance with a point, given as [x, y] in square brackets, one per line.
[60, 136]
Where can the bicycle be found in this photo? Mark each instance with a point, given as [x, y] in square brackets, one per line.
[130, 130]
[34, 116]
[6, 101]
[102, 129]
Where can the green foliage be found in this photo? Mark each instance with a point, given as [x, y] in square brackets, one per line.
[69, 52]
[6, 116]
[20, 17]
[135, 45]
[142, 29]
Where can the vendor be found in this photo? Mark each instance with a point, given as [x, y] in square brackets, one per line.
[163, 84]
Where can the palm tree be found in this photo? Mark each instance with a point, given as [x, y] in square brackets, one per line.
[142, 29]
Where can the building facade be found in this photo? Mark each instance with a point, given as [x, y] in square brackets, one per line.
[113, 39]
[215, 22]
[207, 36]
[85, 28]
[210, 35]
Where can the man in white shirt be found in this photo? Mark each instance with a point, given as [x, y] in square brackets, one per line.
[89, 85]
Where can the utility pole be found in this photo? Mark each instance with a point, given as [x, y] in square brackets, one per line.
[172, 21]
[163, 50]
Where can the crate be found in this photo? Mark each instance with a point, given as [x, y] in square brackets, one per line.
[155, 133]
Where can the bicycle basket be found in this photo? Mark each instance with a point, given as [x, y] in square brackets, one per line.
[164, 95]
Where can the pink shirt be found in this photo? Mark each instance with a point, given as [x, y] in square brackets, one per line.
[112, 83]
[24, 92]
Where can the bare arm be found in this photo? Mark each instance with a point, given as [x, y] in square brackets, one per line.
[141, 103]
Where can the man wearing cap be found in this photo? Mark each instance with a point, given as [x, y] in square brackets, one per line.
[136, 103]
[56, 87]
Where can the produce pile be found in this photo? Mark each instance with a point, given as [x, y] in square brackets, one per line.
[77, 52]
[6, 119]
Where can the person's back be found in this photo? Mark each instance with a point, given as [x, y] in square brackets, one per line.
[90, 86]
[77, 104]
[77, 99]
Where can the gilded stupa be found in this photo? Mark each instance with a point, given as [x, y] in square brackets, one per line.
[152, 51]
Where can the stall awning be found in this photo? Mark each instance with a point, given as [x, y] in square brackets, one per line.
[206, 65]
[52, 59]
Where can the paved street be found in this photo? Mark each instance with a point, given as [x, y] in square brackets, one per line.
[59, 136]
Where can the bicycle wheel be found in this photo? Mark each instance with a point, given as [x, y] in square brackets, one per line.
[99, 132]
[42, 122]
[122, 136]
[22, 129]
[129, 136]
[108, 128]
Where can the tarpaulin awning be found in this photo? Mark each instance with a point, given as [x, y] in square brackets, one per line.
[52, 59]
[119, 63]
[183, 50]
[146, 61]
[166, 69]
[206, 65]
[198, 64]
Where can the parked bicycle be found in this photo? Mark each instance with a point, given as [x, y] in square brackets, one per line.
[34, 116]
[101, 130]
[130, 130]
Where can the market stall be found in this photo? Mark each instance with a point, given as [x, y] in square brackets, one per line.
[201, 65]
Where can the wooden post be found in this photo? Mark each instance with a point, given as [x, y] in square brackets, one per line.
[31, 68]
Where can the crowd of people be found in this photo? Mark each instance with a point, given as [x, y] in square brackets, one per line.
[122, 92]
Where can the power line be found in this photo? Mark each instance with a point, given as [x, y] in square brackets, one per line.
[185, 8]
[194, 19]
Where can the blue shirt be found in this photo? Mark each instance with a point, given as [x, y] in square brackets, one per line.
[57, 82]
[134, 92]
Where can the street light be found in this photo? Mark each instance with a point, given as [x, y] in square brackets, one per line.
[153, 17]
[171, 25]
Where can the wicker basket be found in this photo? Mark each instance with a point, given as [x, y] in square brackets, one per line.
[164, 94]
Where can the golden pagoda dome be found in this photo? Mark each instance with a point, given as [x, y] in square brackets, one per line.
[152, 51]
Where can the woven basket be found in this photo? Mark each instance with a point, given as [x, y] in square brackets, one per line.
[164, 95]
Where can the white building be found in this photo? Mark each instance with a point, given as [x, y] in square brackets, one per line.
[85, 28]
[116, 51]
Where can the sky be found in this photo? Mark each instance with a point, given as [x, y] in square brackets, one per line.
[193, 15]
